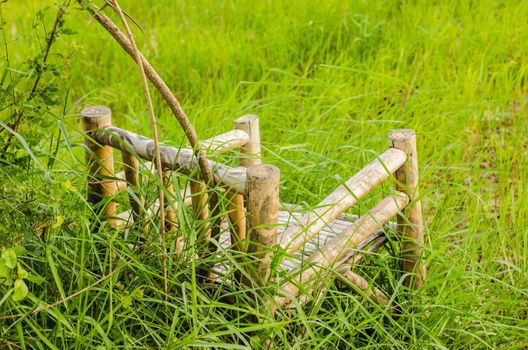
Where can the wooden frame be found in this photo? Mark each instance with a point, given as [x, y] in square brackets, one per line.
[252, 192]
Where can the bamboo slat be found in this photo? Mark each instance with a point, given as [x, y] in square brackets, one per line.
[230, 140]
[341, 199]
[178, 159]
[332, 254]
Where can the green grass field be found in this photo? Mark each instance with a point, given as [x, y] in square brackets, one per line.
[328, 80]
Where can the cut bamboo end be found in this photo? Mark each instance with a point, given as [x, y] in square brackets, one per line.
[96, 117]
[410, 224]
[342, 199]
[263, 207]
[100, 160]
[333, 254]
[251, 150]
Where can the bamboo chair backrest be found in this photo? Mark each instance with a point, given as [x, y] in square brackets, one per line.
[239, 182]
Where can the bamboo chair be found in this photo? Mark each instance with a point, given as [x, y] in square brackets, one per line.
[324, 241]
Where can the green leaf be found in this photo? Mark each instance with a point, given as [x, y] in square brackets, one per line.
[20, 290]
[4, 270]
[137, 293]
[35, 279]
[22, 273]
[127, 301]
[58, 223]
[10, 258]
[19, 250]
[68, 31]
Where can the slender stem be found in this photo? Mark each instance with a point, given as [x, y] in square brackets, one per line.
[206, 173]
[159, 169]
[51, 38]
[205, 169]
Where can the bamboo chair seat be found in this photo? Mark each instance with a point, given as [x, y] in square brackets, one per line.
[288, 217]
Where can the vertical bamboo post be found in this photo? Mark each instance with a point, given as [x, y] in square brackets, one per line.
[101, 184]
[263, 216]
[250, 156]
[131, 168]
[171, 219]
[199, 203]
[410, 225]
[251, 150]
[237, 217]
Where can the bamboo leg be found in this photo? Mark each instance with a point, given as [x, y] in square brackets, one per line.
[131, 170]
[199, 203]
[263, 209]
[250, 156]
[410, 225]
[171, 219]
[251, 150]
[237, 217]
[101, 184]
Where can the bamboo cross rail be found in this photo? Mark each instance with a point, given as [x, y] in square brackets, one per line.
[316, 244]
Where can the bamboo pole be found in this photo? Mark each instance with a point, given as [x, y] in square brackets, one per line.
[341, 199]
[360, 282]
[410, 224]
[237, 218]
[171, 218]
[200, 206]
[344, 272]
[131, 172]
[178, 159]
[227, 141]
[100, 160]
[333, 253]
[250, 155]
[171, 221]
[251, 150]
[263, 217]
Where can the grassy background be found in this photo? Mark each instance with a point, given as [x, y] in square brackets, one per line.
[328, 79]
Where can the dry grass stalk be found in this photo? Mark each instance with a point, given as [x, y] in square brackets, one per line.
[159, 168]
[160, 85]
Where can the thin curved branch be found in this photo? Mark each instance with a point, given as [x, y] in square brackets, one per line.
[161, 86]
